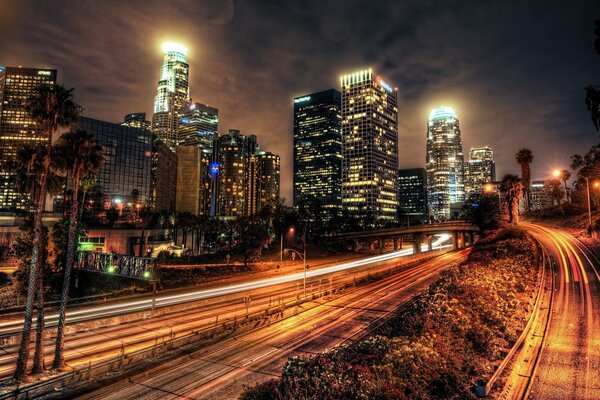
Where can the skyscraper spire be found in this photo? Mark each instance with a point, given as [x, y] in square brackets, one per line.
[172, 93]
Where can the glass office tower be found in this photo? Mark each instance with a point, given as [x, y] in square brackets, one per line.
[124, 179]
[318, 151]
[17, 129]
[198, 126]
[412, 195]
[369, 148]
[480, 169]
[172, 94]
[445, 163]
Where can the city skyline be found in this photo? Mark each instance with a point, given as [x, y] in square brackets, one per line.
[219, 69]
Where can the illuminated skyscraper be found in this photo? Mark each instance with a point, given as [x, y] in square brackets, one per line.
[198, 125]
[17, 129]
[318, 151]
[480, 169]
[445, 163]
[172, 94]
[369, 148]
[233, 153]
[269, 177]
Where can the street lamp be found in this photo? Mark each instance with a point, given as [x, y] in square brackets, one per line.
[302, 256]
[291, 230]
[556, 173]
[490, 188]
[589, 204]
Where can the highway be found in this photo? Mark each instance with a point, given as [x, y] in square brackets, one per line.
[110, 342]
[221, 371]
[569, 363]
[11, 325]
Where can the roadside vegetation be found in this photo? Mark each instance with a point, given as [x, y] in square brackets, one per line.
[438, 345]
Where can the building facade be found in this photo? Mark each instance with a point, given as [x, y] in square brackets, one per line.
[541, 195]
[172, 94]
[369, 148]
[444, 163]
[137, 120]
[193, 180]
[480, 169]
[318, 151]
[269, 178]
[198, 126]
[412, 196]
[124, 180]
[163, 184]
[17, 128]
[233, 153]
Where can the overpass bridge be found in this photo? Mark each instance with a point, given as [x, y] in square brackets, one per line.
[463, 234]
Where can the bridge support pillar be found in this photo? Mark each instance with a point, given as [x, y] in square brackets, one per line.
[371, 245]
[355, 246]
[395, 244]
[417, 244]
[430, 242]
[381, 244]
[455, 240]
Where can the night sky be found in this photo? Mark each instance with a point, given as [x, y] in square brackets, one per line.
[514, 72]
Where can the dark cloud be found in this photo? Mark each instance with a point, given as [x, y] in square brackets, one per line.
[515, 71]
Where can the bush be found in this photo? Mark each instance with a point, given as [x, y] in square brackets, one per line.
[437, 346]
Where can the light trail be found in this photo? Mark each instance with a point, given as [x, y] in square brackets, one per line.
[94, 312]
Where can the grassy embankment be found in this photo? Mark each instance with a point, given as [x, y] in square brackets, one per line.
[438, 345]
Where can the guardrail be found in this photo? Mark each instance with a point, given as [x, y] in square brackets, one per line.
[171, 345]
[483, 388]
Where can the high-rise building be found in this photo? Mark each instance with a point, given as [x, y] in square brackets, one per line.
[163, 185]
[480, 169]
[232, 153]
[137, 120]
[369, 147]
[269, 177]
[318, 151]
[541, 195]
[17, 128]
[172, 94]
[124, 180]
[198, 125]
[412, 195]
[445, 163]
[193, 180]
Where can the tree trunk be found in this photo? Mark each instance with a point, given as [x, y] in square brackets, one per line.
[23, 354]
[39, 362]
[59, 358]
[142, 242]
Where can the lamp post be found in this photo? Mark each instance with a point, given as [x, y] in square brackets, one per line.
[291, 230]
[589, 203]
[303, 258]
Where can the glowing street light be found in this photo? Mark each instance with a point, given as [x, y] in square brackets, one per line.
[556, 173]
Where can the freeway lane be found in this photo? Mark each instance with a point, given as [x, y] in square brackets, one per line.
[569, 366]
[220, 371]
[11, 326]
[109, 342]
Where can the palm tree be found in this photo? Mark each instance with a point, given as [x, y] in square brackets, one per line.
[525, 157]
[512, 188]
[51, 107]
[565, 175]
[557, 194]
[78, 155]
[30, 167]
